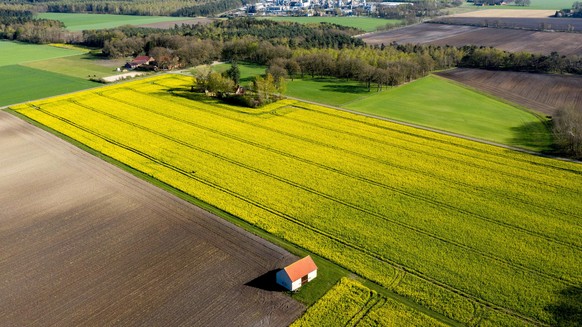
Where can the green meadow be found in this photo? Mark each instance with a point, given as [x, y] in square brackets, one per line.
[80, 22]
[13, 53]
[437, 103]
[368, 24]
[19, 84]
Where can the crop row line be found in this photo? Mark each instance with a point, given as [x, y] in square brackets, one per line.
[334, 199]
[470, 187]
[464, 154]
[373, 182]
[450, 143]
[300, 223]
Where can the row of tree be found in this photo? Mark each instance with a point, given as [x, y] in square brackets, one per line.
[19, 24]
[418, 10]
[134, 7]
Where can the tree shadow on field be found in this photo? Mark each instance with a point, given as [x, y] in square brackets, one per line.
[356, 89]
[267, 282]
[532, 135]
[567, 312]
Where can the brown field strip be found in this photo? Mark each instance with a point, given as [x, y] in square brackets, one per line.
[538, 24]
[459, 35]
[85, 243]
[504, 13]
[540, 92]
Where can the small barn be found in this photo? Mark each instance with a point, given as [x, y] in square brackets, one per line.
[139, 61]
[297, 274]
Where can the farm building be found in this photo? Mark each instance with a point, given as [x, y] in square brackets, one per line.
[139, 61]
[296, 274]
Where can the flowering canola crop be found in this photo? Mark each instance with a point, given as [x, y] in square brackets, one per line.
[482, 234]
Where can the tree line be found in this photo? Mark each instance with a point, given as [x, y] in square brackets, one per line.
[19, 24]
[134, 7]
[419, 10]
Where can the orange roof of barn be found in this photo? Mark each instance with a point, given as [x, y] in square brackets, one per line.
[300, 268]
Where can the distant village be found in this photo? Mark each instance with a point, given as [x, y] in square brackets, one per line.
[313, 8]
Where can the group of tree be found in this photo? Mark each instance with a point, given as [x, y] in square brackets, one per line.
[226, 87]
[567, 128]
[495, 59]
[500, 2]
[576, 11]
[418, 10]
[135, 7]
[19, 24]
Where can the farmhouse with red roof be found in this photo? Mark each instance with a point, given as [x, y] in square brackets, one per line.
[296, 274]
[138, 61]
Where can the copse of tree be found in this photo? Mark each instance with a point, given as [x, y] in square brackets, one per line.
[134, 7]
[18, 23]
[567, 129]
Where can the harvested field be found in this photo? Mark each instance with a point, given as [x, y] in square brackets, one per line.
[171, 24]
[534, 24]
[84, 243]
[504, 13]
[505, 39]
[540, 92]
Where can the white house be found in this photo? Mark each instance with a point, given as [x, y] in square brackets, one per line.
[296, 274]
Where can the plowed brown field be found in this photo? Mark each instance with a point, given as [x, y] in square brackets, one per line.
[459, 35]
[84, 244]
[540, 92]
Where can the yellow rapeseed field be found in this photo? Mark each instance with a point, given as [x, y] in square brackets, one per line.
[482, 234]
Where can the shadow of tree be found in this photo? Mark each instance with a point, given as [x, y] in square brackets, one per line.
[567, 312]
[267, 282]
[345, 88]
[533, 135]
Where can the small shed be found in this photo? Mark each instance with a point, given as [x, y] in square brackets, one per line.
[297, 274]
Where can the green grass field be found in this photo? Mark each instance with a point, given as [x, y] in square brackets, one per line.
[80, 66]
[19, 84]
[437, 103]
[368, 24]
[478, 233]
[80, 22]
[12, 53]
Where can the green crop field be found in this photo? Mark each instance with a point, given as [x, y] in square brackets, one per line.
[350, 303]
[437, 103]
[479, 233]
[19, 84]
[368, 24]
[80, 22]
[13, 53]
[80, 66]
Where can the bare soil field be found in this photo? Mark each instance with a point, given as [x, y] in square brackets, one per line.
[540, 92]
[85, 243]
[505, 39]
[504, 13]
[534, 24]
[167, 25]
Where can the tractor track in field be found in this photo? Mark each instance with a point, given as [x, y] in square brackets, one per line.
[297, 221]
[364, 179]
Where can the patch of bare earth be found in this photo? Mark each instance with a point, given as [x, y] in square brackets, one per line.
[84, 243]
[503, 13]
[540, 92]
[506, 39]
[171, 24]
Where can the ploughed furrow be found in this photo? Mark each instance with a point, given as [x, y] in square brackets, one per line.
[427, 199]
[337, 200]
[294, 220]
